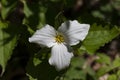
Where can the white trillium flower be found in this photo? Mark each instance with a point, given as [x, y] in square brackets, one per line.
[69, 33]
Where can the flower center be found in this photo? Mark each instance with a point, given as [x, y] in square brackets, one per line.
[59, 38]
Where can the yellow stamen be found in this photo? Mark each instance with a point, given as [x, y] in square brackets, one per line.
[59, 38]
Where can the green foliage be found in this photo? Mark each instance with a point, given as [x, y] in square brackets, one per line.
[79, 70]
[7, 44]
[112, 77]
[112, 66]
[30, 77]
[116, 4]
[19, 19]
[104, 59]
[98, 36]
[38, 64]
[7, 7]
[35, 14]
[76, 67]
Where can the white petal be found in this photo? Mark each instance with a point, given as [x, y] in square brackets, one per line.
[45, 36]
[60, 57]
[74, 31]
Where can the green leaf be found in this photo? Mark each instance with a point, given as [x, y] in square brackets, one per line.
[102, 71]
[7, 7]
[116, 4]
[98, 14]
[106, 8]
[103, 59]
[98, 36]
[79, 70]
[107, 68]
[40, 69]
[36, 61]
[112, 77]
[118, 73]
[35, 14]
[7, 44]
[75, 71]
[116, 63]
[31, 78]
